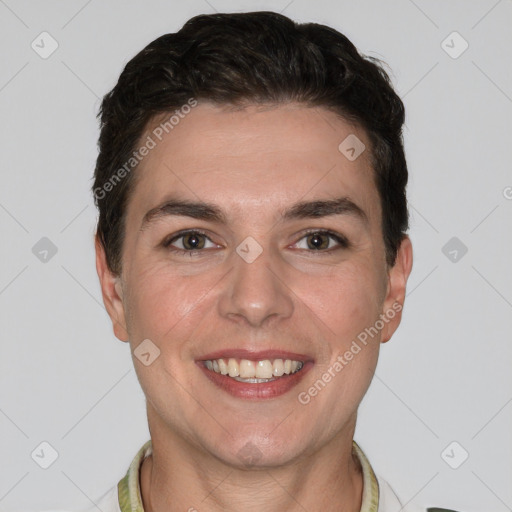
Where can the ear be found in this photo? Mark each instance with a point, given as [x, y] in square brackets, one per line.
[111, 290]
[395, 296]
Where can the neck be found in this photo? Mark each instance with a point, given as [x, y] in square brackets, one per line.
[180, 477]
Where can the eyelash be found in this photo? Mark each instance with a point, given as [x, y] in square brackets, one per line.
[340, 239]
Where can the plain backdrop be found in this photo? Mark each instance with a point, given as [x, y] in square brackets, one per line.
[445, 376]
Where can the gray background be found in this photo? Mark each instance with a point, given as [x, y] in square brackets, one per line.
[444, 377]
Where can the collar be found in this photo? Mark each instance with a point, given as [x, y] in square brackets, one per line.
[130, 499]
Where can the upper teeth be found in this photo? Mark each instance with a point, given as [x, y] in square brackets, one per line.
[247, 369]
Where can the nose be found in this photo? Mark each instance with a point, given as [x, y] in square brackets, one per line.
[256, 292]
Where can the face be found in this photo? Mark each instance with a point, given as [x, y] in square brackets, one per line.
[254, 263]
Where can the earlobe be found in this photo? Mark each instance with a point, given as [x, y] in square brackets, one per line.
[397, 284]
[111, 290]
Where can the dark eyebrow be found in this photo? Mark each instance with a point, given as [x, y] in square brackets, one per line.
[324, 208]
[210, 212]
[195, 210]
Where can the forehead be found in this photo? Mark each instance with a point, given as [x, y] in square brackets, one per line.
[253, 160]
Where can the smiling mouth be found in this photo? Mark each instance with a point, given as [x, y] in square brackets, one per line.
[254, 372]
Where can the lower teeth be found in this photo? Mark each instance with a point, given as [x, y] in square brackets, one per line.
[252, 381]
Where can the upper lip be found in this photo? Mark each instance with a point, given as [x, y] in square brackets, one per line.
[240, 353]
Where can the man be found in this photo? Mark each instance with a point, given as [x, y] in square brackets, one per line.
[252, 250]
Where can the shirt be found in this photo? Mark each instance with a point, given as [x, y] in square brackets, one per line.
[378, 496]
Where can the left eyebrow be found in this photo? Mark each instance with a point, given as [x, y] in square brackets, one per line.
[325, 208]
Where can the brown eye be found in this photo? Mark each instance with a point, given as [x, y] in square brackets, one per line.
[317, 241]
[193, 241]
[322, 241]
[188, 241]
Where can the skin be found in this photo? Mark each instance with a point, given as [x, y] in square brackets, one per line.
[253, 163]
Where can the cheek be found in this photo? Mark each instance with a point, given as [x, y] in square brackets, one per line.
[164, 301]
[347, 301]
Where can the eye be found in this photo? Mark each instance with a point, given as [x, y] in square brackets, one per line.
[322, 241]
[188, 241]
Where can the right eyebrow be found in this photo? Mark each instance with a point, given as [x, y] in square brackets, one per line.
[195, 210]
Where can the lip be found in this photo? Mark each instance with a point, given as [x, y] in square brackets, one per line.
[261, 390]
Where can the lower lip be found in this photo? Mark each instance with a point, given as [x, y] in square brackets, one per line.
[256, 391]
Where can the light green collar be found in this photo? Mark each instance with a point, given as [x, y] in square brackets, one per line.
[130, 499]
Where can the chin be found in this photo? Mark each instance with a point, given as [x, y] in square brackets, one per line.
[253, 453]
